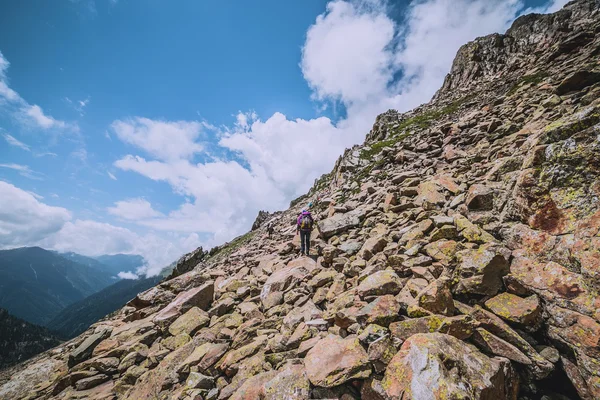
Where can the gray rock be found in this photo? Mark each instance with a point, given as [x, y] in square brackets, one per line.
[340, 223]
[85, 349]
[91, 382]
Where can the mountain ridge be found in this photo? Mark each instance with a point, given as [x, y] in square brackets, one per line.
[77, 317]
[36, 283]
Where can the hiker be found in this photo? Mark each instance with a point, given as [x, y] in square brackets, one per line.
[270, 229]
[304, 227]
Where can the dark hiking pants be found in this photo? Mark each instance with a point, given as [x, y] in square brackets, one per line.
[304, 242]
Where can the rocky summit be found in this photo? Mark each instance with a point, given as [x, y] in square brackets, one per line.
[457, 257]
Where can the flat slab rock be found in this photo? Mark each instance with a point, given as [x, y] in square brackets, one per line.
[339, 223]
[200, 297]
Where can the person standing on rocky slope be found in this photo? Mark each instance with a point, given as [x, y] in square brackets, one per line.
[304, 227]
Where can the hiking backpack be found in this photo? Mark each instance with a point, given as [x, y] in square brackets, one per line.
[306, 222]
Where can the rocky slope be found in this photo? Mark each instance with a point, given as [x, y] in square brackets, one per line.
[457, 258]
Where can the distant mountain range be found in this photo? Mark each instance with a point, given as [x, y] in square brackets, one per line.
[113, 264]
[77, 317]
[37, 284]
[46, 296]
[20, 340]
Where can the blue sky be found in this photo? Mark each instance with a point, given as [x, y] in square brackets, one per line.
[154, 127]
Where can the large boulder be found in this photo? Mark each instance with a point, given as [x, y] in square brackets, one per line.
[480, 198]
[339, 223]
[334, 360]
[380, 283]
[436, 366]
[286, 277]
[288, 383]
[85, 349]
[480, 271]
[200, 297]
[437, 298]
[189, 322]
[526, 312]
[150, 297]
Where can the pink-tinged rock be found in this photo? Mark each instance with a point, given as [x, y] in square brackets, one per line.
[380, 283]
[448, 183]
[303, 262]
[431, 193]
[390, 200]
[372, 246]
[200, 297]
[554, 283]
[580, 332]
[540, 367]
[426, 368]
[334, 360]
[381, 311]
[254, 388]
[162, 377]
[286, 277]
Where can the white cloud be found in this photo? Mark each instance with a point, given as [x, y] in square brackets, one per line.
[94, 238]
[23, 170]
[111, 176]
[6, 92]
[37, 115]
[345, 55]
[127, 275]
[14, 142]
[78, 105]
[47, 153]
[133, 209]
[80, 155]
[23, 219]
[26, 221]
[162, 139]
[23, 111]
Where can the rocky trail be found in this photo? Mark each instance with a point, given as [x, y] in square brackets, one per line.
[457, 257]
